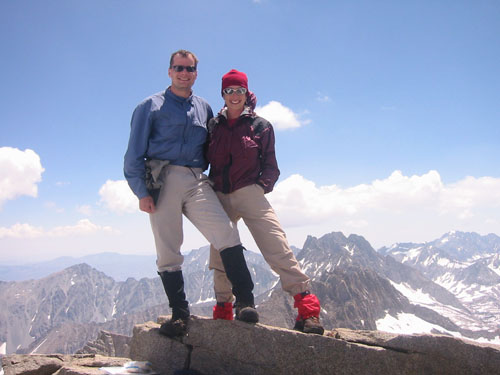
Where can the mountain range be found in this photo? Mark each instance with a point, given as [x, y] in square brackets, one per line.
[448, 286]
[466, 264]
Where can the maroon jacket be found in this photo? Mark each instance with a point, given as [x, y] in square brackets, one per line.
[242, 154]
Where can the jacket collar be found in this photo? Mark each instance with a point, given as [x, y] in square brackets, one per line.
[170, 94]
[247, 111]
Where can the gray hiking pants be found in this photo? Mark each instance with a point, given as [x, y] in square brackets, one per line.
[250, 204]
[187, 191]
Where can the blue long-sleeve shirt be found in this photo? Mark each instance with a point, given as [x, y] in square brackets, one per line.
[167, 127]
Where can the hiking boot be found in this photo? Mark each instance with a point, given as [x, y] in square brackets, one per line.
[313, 325]
[247, 314]
[223, 310]
[173, 283]
[174, 327]
[299, 325]
[309, 308]
[238, 274]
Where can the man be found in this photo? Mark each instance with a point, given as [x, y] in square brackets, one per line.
[166, 147]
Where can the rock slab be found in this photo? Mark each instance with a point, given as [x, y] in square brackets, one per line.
[58, 364]
[232, 347]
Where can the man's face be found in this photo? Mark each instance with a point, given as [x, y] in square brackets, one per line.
[184, 80]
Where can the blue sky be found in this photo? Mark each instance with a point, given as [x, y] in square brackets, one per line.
[386, 114]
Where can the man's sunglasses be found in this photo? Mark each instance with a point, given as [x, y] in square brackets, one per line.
[180, 68]
[239, 91]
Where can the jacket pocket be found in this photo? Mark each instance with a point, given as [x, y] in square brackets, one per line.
[250, 149]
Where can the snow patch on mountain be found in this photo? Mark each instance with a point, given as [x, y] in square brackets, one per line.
[410, 255]
[409, 324]
[457, 316]
[206, 300]
[465, 264]
[349, 250]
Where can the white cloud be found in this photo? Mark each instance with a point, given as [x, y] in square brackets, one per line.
[21, 231]
[84, 210]
[81, 228]
[465, 197]
[279, 116]
[322, 98]
[20, 173]
[117, 197]
[397, 208]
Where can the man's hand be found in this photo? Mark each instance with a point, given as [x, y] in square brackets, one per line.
[147, 204]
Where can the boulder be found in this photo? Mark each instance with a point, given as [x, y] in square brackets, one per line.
[231, 347]
[55, 364]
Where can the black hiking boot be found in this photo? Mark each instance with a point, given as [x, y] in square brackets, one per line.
[238, 274]
[246, 314]
[174, 327]
[173, 283]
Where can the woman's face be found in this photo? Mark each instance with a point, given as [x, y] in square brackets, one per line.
[235, 102]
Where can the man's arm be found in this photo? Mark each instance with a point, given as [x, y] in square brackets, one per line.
[134, 161]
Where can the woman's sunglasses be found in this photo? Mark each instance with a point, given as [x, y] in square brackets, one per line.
[239, 91]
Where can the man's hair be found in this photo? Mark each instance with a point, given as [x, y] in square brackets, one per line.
[183, 53]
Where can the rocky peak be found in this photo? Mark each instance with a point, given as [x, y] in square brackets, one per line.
[335, 250]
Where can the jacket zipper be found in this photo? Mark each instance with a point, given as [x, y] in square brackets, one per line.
[226, 183]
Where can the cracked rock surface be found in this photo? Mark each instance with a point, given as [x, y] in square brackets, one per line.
[232, 347]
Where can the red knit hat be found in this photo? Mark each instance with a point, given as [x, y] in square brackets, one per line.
[234, 78]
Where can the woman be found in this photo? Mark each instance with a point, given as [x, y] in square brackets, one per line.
[243, 168]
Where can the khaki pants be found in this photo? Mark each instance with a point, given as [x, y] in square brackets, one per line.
[250, 204]
[187, 191]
